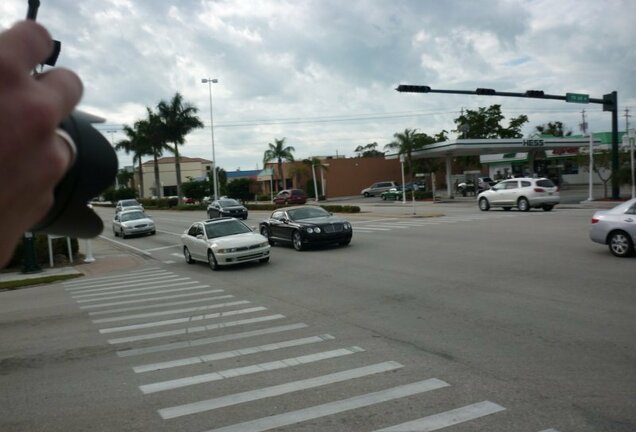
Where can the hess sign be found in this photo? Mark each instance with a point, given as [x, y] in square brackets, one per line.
[533, 143]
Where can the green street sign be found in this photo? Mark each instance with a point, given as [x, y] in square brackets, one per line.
[577, 98]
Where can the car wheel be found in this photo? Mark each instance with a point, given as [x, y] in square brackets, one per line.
[122, 234]
[265, 233]
[366, 194]
[548, 207]
[210, 215]
[383, 197]
[523, 204]
[507, 208]
[264, 260]
[187, 256]
[620, 244]
[297, 240]
[212, 261]
[115, 232]
[484, 205]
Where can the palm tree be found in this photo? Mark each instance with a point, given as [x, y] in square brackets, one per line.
[178, 119]
[138, 145]
[405, 143]
[152, 130]
[315, 162]
[278, 152]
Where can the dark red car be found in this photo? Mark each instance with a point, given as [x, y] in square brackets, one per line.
[291, 196]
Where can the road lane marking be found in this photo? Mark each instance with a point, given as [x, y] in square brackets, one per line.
[384, 226]
[163, 247]
[371, 229]
[141, 251]
[87, 283]
[161, 291]
[247, 370]
[208, 358]
[188, 319]
[293, 417]
[125, 282]
[160, 305]
[171, 233]
[170, 312]
[189, 330]
[123, 288]
[146, 300]
[448, 418]
[207, 341]
[277, 390]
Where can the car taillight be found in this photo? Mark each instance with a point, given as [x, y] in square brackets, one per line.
[558, 188]
[539, 190]
[595, 220]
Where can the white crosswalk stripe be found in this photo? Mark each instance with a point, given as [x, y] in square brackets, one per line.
[336, 407]
[366, 227]
[152, 298]
[248, 370]
[262, 393]
[448, 418]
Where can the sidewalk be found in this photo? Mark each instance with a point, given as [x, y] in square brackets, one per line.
[107, 259]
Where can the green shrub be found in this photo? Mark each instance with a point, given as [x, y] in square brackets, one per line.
[329, 208]
[41, 247]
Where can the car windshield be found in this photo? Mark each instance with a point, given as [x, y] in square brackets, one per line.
[307, 213]
[228, 203]
[225, 228]
[129, 203]
[129, 216]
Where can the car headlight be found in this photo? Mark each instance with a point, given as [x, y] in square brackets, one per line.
[264, 244]
[314, 230]
[227, 250]
[347, 226]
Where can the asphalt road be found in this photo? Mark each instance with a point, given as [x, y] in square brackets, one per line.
[468, 321]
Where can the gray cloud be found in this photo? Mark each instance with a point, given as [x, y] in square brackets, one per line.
[332, 62]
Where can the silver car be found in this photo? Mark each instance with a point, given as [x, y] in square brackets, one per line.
[378, 188]
[128, 204]
[223, 241]
[616, 228]
[131, 222]
[524, 193]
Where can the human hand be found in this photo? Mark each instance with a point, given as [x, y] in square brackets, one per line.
[33, 158]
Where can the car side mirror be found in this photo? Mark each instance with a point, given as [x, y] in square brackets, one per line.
[200, 236]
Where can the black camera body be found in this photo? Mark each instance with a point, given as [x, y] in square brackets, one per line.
[93, 170]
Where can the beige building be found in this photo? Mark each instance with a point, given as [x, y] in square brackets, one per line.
[190, 167]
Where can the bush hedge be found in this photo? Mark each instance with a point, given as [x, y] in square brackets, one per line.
[41, 247]
[329, 208]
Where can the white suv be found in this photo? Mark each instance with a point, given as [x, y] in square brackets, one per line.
[524, 193]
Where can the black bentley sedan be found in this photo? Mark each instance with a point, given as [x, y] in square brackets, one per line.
[306, 225]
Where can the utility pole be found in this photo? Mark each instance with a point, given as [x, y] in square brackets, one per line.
[627, 116]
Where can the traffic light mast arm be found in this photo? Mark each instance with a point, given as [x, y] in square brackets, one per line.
[533, 94]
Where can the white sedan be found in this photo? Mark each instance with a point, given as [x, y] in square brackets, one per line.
[223, 241]
[616, 228]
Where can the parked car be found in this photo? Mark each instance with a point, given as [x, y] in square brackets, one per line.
[188, 200]
[227, 207]
[616, 228]
[291, 196]
[222, 242]
[378, 188]
[307, 225]
[392, 194]
[524, 193]
[128, 204]
[483, 183]
[131, 222]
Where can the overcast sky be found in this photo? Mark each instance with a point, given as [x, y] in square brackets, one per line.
[322, 73]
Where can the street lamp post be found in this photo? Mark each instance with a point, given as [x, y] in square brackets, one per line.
[215, 179]
[112, 143]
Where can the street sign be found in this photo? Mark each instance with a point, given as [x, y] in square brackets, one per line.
[577, 98]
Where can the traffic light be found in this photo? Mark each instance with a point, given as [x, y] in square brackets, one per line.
[485, 91]
[535, 93]
[413, 89]
[609, 102]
